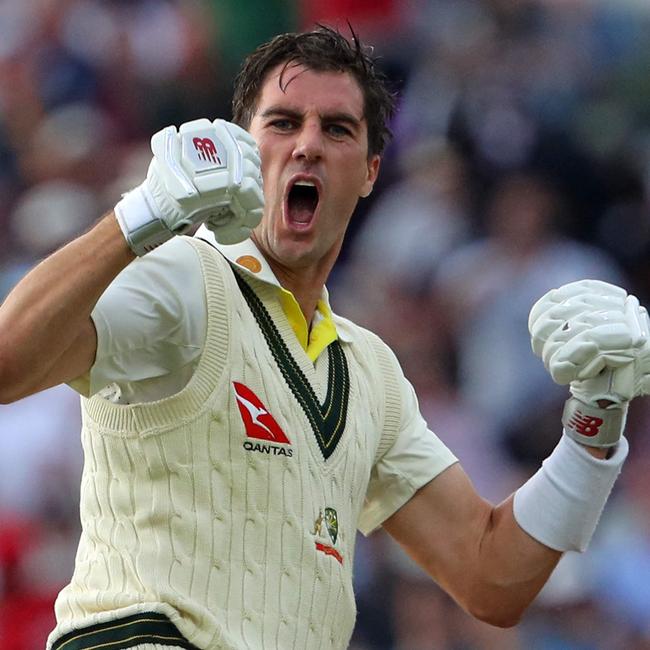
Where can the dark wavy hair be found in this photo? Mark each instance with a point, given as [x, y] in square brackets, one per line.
[323, 50]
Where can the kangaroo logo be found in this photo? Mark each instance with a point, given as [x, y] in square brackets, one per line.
[259, 423]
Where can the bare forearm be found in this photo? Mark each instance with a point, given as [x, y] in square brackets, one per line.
[512, 567]
[476, 552]
[50, 309]
[496, 571]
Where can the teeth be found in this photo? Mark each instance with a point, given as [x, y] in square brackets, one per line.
[305, 183]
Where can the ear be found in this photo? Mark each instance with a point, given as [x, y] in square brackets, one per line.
[371, 175]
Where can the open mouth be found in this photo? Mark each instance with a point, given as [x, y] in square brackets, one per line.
[302, 202]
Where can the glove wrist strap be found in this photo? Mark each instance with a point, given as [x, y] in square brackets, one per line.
[593, 426]
[138, 219]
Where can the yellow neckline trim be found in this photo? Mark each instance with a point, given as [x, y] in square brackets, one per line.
[323, 330]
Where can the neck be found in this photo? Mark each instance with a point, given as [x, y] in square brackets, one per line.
[304, 277]
[305, 284]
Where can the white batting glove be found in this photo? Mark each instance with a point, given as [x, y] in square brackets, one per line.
[582, 327]
[594, 336]
[205, 172]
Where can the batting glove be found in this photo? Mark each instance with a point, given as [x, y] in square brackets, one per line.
[593, 336]
[204, 172]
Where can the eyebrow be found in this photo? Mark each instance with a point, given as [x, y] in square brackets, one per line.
[338, 116]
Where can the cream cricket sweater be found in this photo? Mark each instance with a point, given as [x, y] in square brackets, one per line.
[242, 542]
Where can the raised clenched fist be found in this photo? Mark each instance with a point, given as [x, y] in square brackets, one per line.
[203, 172]
[585, 326]
[595, 337]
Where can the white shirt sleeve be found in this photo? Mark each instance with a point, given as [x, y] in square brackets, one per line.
[151, 325]
[416, 457]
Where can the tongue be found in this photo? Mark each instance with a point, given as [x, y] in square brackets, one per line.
[301, 209]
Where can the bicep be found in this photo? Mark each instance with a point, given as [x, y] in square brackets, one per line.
[76, 361]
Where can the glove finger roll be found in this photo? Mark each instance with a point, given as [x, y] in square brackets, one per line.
[579, 356]
[249, 195]
[595, 287]
[251, 154]
[636, 318]
[568, 331]
[587, 289]
[571, 308]
[591, 325]
[235, 131]
[252, 171]
[166, 148]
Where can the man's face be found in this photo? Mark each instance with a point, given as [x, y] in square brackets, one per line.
[313, 143]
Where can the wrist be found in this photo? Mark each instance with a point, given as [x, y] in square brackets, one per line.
[601, 453]
[561, 504]
[593, 426]
[140, 221]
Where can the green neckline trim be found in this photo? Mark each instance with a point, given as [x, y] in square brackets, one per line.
[328, 419]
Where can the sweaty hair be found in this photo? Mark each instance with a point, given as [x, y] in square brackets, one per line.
[321, 50]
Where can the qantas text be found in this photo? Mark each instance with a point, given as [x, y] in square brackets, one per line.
[267, 449]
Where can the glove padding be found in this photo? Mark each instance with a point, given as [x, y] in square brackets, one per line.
[205, 172]
[583, 327]
[593, 336]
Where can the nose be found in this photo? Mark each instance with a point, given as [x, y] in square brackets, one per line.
[309, 143]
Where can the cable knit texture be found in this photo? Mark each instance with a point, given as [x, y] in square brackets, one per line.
[237, 546]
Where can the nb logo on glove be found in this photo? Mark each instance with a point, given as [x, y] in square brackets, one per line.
[206, 149]
[585, 424]
[205, 153]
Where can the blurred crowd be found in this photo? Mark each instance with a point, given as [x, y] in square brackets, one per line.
[521, 161]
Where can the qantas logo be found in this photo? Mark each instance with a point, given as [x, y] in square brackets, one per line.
[259, 423]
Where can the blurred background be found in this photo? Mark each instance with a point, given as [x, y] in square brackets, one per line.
[521, 161]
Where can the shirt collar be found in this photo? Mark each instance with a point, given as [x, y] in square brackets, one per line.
[246, 256]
